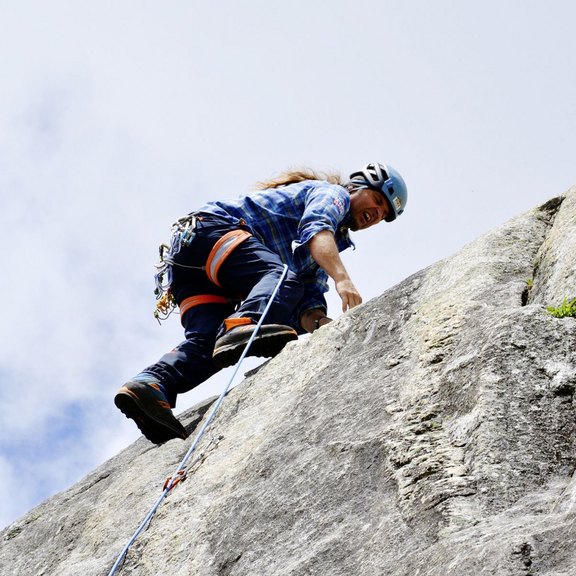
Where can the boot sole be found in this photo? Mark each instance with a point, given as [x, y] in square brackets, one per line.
[267, 346]
[158, 428]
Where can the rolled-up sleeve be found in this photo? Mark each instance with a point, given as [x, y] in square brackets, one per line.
[326, 207]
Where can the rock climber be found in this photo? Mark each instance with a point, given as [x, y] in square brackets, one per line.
[225, 261]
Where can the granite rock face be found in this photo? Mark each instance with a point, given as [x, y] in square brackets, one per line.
[430, 431]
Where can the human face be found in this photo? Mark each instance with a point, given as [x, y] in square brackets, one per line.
[367, 207]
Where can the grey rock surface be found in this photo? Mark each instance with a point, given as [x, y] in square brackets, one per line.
[430, 431]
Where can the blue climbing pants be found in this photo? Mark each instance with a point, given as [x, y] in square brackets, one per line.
[246, 279]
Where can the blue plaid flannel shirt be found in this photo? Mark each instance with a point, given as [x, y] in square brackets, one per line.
[284, 219]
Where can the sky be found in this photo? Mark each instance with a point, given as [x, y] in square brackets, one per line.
[116, 118]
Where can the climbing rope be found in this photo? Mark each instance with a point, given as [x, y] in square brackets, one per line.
[180, 472]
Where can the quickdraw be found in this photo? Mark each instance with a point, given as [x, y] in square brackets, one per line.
[181, 474]
[171, 481]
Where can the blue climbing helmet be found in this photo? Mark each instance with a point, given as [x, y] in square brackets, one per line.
[385, 179]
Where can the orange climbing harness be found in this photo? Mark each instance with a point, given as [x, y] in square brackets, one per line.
[183, 232]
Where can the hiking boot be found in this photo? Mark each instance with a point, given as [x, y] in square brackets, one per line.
[146, 404]
[269, 341]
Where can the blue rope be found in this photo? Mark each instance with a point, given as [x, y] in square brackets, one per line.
[175, 477]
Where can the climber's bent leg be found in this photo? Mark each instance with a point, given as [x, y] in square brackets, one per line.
[256, 272]
[149, 396]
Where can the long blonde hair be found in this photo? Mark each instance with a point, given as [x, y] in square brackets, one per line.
[291, 176]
